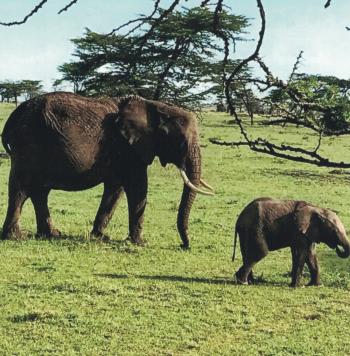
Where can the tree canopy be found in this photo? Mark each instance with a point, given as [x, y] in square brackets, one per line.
[11, 90]
[330, 112]
[181, 61]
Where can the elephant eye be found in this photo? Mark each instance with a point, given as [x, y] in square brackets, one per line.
[163, 115]
[181, 121]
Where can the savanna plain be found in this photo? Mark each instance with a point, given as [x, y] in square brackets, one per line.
[74, 295]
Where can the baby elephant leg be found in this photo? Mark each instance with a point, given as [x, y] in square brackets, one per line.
[243, 274]
[251, 278]
[250, 258]
[299, 254]
[313, 266]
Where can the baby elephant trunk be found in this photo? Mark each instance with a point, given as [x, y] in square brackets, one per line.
[343, 247]
[343, 251]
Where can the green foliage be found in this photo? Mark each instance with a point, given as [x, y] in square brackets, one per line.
[11, 90]
[329, 93]
[76, 296]
[243, 96]
[31, 88]
[179, 62]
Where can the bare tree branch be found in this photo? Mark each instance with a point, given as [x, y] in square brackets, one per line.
[292, 92]
[296, 65]
[319, 142]
[141, 19]
[239, 67]
[67, 6]
[181, 44]
[294, 121]
[157, 21]
[35, 10]
[327, 4]
[263, 146]
[205, 3]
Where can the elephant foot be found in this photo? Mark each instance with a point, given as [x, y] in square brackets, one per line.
[99, 236]
[239, 280]
[185, 242]
[296, 285]
[251, 280]
[136, 241]
[314, 284]
[14, 233]
[52, 234]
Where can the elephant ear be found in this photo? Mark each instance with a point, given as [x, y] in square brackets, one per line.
[302, 217]
[135, 123]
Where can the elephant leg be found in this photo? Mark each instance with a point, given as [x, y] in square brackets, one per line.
[17, 197]
[111, 195]
[39, 198]
[299, 254]
[136, 192]
[313, 266]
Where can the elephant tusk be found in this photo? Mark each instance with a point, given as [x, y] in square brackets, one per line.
[206, 185]
[192, 186]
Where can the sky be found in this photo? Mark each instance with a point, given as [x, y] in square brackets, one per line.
[35, 49]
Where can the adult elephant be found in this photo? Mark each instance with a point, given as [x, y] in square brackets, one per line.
[69, 142]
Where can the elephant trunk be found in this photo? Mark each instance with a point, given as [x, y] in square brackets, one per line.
[344, 252]
[193, 172]
[344, 243]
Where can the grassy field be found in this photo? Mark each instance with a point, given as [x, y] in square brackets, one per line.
[76, 296]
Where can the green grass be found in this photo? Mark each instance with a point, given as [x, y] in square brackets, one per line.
[76, 296]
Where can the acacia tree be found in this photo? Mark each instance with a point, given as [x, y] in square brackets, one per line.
[329, 92]
[72, 73]
[12, 90]
[31, 88]
[179, 62]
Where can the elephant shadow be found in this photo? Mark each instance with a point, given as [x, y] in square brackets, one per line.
[122, 245]
[170, 278]
[183, 279]
[260, 281]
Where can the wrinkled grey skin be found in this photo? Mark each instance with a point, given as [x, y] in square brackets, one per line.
[68, 142]
[268, 224]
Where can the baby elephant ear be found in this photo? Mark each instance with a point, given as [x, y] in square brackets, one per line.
[302, 217]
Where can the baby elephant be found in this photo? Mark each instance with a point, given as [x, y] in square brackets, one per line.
[268, 224]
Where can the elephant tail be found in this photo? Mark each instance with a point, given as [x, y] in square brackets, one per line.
[234, 244]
